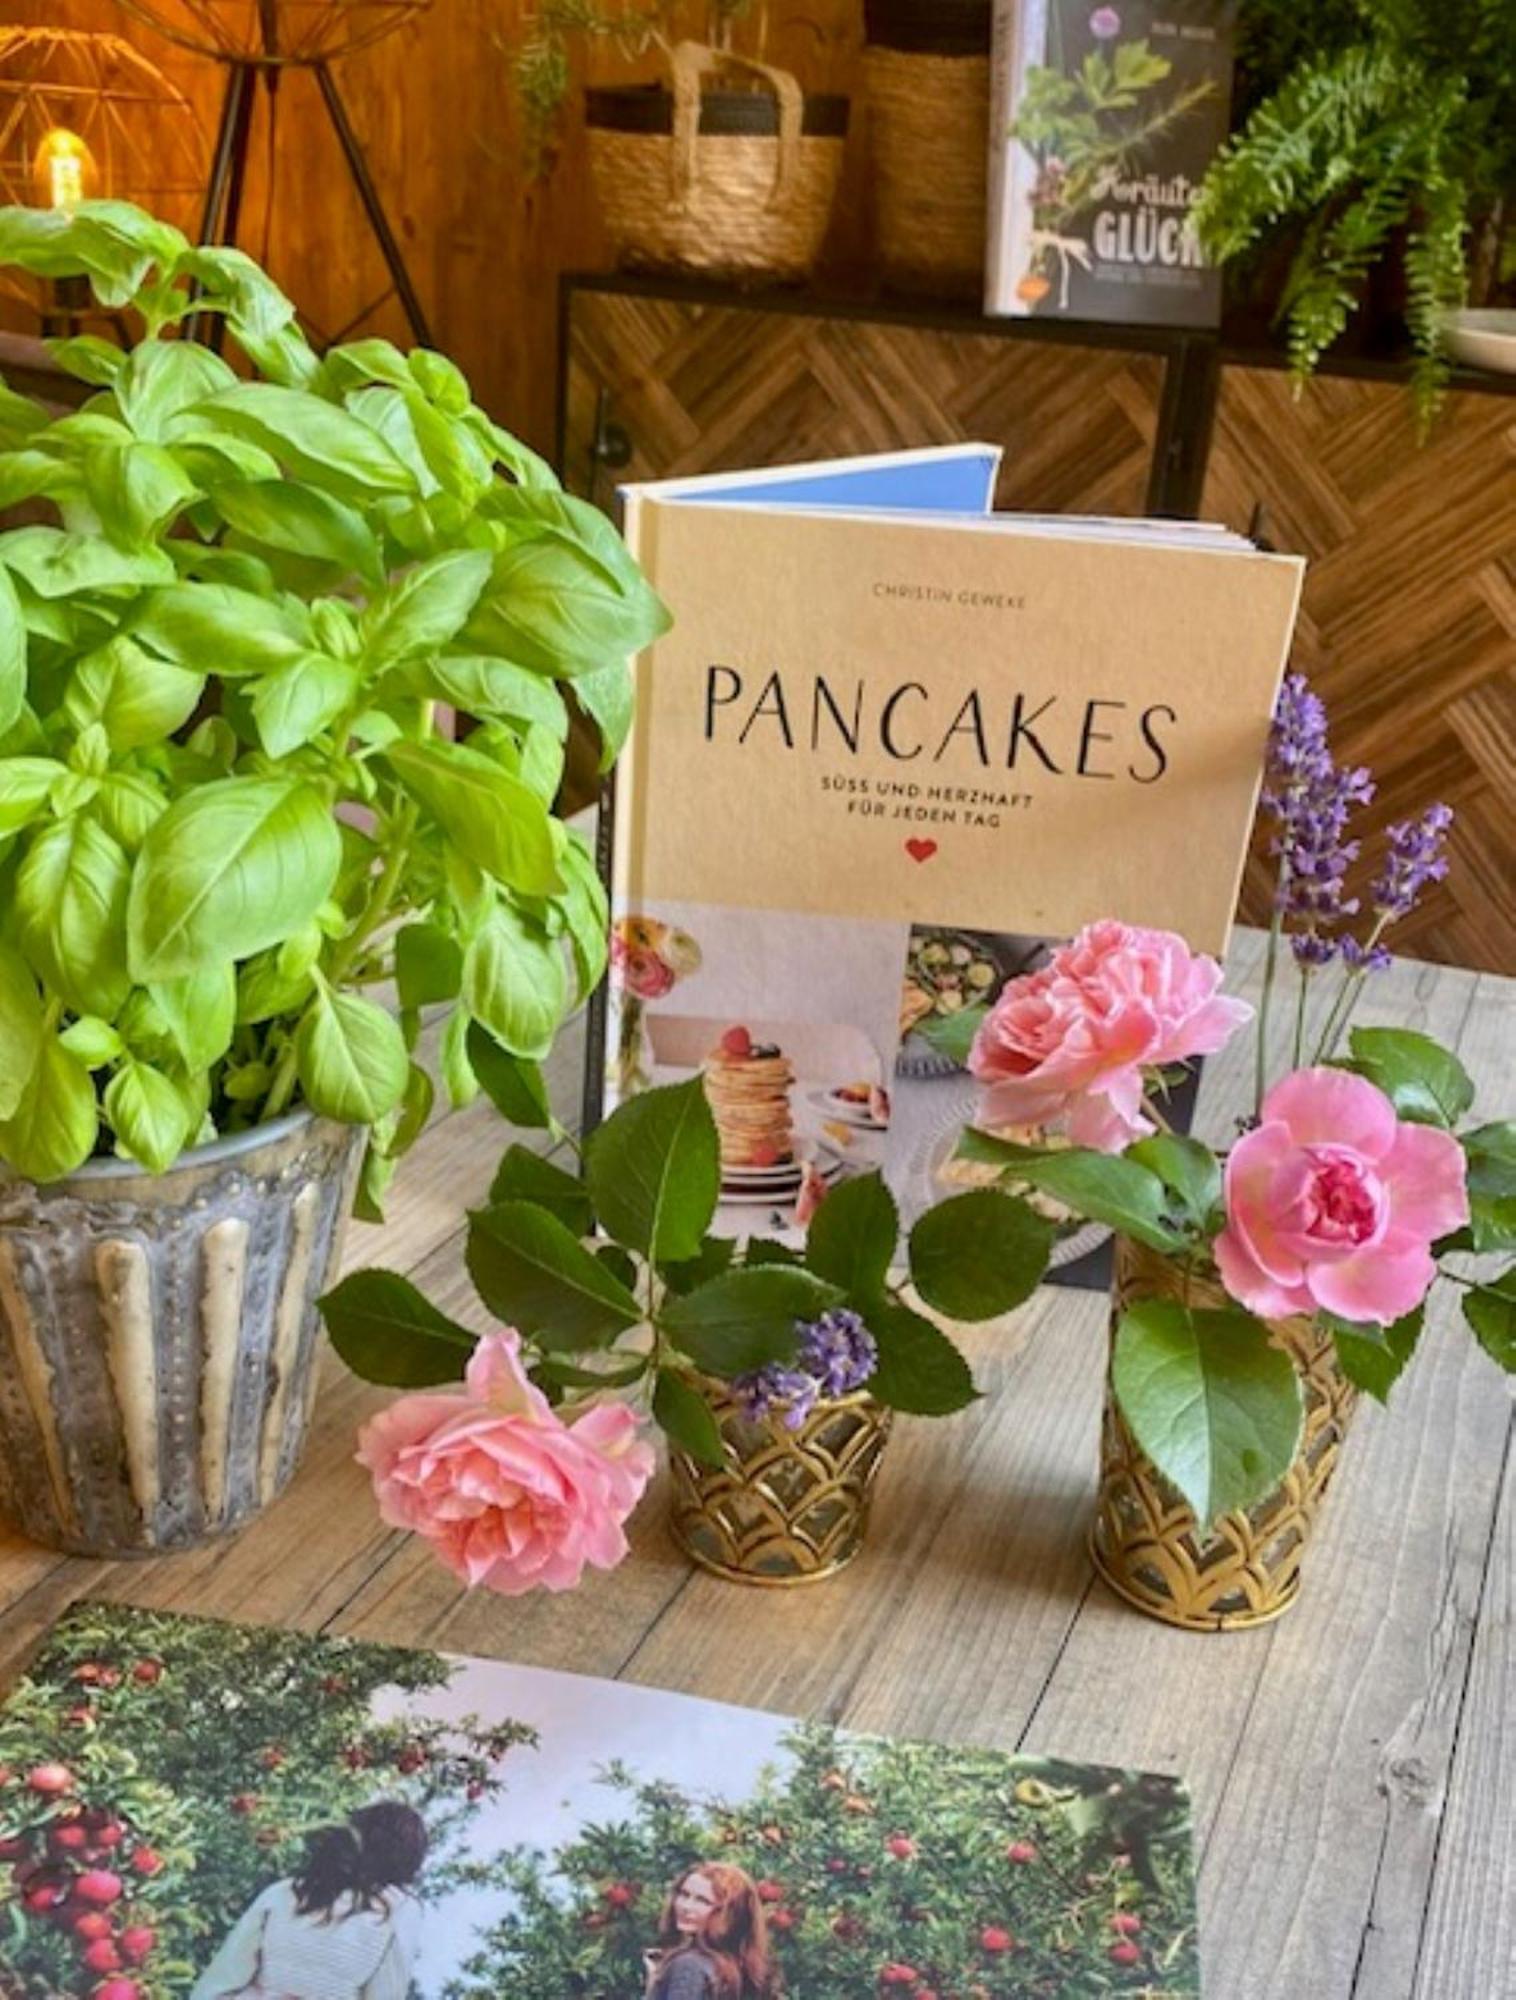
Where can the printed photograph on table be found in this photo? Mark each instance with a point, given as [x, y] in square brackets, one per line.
[250, 1812]
[790, 1021]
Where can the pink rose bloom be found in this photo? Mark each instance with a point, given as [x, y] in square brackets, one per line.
[1070, 1043]
[640, 971]
[507, 1494]
[1333, 1202]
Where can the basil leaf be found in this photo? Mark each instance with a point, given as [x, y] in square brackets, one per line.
[25, 783]
[216, 626]
[534, 1274]
[488, 815]
[745, 1319]
[457, 1071]
[513, 1084]
[654, 1171]
[388, 1332]
[311, 438]
[58, 564]
[607, 696]
[139, 698]
[421, 611]
[853, 1235]
[200, 1012]
[304, 521]
[230, 869]
[428, 965]
[21, 1023]
[492, 688]
[586, 912]
[296, 702]
[56, 1122]
[137, 490]
[88, 358]
[93, 1041]
[554, 606]
[1216, 1408]
[12, 654]
[148, 1115]
[71, 902]
[160, 378]
[515, 983]
[350, 1057]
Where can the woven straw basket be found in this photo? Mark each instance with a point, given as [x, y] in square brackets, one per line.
[1245, 1569]
[733, 183]
[927, 73]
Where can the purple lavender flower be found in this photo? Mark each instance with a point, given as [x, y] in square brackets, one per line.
[1105, 24]
[839, 1351]
[1365, 957]
[1312, 949]
[836, 1354]
[1297, 743]
[1415, 860]
[787, 1394]
[1315, 855]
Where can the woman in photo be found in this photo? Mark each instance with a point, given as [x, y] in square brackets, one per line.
[712, 1940]
[344, 1928]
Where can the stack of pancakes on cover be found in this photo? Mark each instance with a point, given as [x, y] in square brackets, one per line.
[748, 1086]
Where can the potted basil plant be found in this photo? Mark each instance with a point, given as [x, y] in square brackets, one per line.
[230, 817]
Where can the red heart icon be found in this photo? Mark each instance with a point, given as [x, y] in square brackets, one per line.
[921, 850]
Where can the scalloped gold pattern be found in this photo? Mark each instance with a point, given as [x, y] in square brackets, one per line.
[785, 1507]
[1146, 1542]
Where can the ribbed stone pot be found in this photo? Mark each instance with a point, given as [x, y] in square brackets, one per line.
[159, 1335]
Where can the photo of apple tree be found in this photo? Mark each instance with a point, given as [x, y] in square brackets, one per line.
[885, 1869]
[157, 1772]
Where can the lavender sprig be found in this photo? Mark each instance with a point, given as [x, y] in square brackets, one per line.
[836, 1354]
[1312, 799]
[1416, 859]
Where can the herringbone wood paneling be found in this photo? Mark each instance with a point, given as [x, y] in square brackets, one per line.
[1409, 620]
[701, 388]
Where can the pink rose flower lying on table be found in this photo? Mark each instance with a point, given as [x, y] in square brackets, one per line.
[1070, 1043]
[1332, 1202]
[508, 1495]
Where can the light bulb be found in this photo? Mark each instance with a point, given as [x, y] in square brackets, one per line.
[63, 170]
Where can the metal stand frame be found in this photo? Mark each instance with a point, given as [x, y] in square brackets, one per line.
[223, 195]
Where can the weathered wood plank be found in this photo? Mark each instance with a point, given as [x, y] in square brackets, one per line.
[1468, 1942]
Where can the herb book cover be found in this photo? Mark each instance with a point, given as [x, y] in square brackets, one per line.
[195, 1811]
[1103, 123]
[894, 746]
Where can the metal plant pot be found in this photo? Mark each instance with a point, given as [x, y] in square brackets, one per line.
[158, 1336]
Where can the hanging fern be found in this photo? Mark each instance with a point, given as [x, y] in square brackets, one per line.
[1369, 119]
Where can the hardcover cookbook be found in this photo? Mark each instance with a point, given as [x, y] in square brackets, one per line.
[1103, 123]
[191, 1810]
[894, 745]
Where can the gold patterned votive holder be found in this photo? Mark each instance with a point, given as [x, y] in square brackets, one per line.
[785, 1506]
[1146, 1542]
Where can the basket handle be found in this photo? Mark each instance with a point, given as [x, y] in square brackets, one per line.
[690, 62]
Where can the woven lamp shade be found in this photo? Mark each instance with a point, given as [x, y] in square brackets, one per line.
[274, 31]
[141, 138]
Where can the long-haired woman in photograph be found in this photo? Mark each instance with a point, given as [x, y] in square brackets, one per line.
[344, 1926]
[712, 1940]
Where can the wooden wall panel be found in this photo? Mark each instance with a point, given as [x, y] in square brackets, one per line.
[700, 388]
[1409, 620]
[434, 107]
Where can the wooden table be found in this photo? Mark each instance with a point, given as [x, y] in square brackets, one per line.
[1352, 1766]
